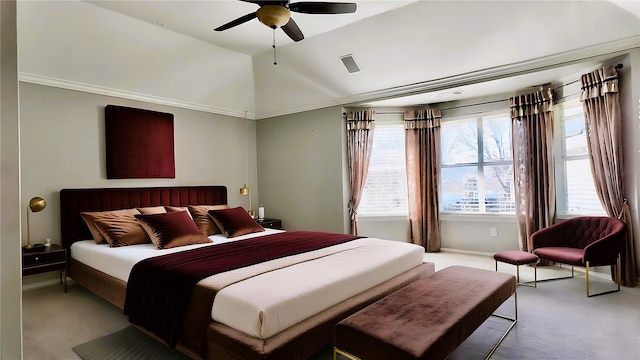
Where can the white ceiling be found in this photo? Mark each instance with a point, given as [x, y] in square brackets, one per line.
[198, 19]
[410, 52]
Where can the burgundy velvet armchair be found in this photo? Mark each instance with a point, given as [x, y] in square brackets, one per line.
[583, 241]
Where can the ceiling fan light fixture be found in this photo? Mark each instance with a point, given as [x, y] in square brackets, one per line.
[274, 16]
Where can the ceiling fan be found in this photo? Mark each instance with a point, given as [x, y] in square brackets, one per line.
[277, 14]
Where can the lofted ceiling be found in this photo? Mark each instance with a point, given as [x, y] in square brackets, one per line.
[198, 19]
[410, 52]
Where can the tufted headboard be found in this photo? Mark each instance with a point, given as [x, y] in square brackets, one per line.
[75, 201]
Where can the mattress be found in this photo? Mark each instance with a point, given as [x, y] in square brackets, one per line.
[118, 261]
[264, 299]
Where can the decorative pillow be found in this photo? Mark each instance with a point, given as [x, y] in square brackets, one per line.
[234, 222]
[178, 208]
[122, 231]
[172, 229]
[90, 218]
[202, 219]
[152, 210]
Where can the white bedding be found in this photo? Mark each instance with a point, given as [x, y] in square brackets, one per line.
[261, 301]
[119, 261]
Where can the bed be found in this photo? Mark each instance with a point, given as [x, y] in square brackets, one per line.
[228, 330]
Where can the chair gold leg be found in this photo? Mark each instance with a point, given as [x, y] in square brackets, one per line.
[619, 271]
[587, 276]
[616, 276]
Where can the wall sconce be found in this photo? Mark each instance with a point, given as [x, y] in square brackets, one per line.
[36, 204]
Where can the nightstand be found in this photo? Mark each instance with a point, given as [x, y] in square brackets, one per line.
[41, 261]
[270, 223]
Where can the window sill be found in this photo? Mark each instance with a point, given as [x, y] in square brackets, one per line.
[374, 218]
[489, 218]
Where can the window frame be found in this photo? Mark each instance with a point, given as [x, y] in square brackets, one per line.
[388, 120]
[561, 158]
[481, 164]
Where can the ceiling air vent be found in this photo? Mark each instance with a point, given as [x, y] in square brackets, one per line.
[350, 63]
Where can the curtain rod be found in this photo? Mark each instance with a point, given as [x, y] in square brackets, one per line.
[618, 67]
[396, 112]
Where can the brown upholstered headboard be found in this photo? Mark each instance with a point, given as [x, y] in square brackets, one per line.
[75, 201]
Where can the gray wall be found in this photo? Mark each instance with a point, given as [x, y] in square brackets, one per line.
[300, 177]
[10, 272]
[62, 137]
[301, 169]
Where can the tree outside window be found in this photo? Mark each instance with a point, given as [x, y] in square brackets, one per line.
[477, 168]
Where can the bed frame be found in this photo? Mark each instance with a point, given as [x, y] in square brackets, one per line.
[220, 341]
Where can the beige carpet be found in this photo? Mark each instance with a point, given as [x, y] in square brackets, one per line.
[127, 344]
[555, 320]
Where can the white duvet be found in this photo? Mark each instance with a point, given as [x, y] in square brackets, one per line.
[264, 299]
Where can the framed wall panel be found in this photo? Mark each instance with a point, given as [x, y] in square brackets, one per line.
[139, 143]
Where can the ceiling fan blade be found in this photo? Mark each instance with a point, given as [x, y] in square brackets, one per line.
[308, 7]
[236, 22]
[292, 29]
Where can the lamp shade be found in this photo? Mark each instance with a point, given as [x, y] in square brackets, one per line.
[37, 204]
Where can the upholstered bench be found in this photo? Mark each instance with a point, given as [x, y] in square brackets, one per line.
[427, 319]
[517, 258]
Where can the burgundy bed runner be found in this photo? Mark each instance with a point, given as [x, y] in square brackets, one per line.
[159, 288]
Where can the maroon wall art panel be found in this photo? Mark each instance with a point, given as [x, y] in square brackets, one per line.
[139, 143]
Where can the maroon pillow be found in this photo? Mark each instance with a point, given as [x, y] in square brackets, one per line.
[172, 229]
[234, 222]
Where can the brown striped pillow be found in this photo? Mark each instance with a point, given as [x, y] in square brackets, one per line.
[152, 210]
[122, 231]
[90, 218]
[202, 219]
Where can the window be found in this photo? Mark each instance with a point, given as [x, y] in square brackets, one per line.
[576, 193]
[385, 192]
[476, 165]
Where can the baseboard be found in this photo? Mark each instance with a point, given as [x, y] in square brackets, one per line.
[458, 251]
[40, 284]
[577, 268]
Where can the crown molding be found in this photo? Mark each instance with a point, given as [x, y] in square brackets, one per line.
[611, 49]
[99, 90]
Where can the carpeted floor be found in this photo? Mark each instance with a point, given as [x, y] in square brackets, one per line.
[555, 321]
[127, 344]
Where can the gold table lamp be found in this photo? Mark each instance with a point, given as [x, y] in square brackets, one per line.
[36, 204]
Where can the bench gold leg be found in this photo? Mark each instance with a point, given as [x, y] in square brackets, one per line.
[337, 351]
[513, 320]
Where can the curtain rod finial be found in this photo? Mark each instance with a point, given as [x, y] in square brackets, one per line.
[619, 66]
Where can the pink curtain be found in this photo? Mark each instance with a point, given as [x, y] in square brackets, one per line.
[532, 127]
[360, 126]
[422, 147]
[603, 120]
